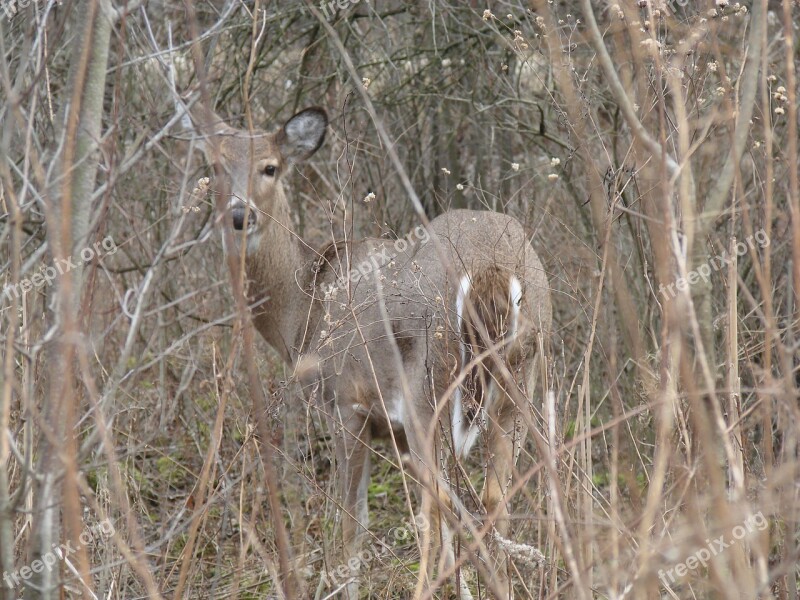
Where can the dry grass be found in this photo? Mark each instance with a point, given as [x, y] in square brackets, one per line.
[674, 418]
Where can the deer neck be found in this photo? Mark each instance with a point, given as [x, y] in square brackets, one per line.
[277, 265]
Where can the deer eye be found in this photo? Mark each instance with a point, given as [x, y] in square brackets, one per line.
[270, 170]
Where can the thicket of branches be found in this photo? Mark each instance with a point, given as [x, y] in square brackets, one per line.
[638, 141]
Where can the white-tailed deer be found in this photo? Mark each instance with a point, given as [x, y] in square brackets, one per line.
[430, 341]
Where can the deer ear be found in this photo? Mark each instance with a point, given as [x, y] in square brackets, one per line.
[202, 123]
[303, 134]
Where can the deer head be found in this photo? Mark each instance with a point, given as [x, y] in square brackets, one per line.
[255, 163]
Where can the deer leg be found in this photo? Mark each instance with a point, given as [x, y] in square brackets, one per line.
[353, 456]
[505, 437]
[435, 534]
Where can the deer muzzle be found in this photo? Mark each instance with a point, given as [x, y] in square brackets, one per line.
[238, 217]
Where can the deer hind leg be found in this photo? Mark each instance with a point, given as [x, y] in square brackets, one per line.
[506, 434]
[442, 546]
[352, 439]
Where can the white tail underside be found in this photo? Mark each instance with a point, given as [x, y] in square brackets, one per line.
[464, 433]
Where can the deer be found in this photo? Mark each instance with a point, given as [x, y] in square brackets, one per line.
[431, 343]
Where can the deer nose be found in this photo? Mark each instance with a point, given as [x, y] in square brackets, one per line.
[237, 215]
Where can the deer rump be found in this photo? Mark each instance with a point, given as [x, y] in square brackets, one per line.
[488, 307]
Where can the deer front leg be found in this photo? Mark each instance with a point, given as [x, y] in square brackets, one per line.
[352, 435]
[506, 436]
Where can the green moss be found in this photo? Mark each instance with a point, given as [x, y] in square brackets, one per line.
[178, 545]
[142, 482]
[207, 402]
[255, 590]
[95, 476]
[569, 430]
[170, 471]
[239, 433]
[376, 488]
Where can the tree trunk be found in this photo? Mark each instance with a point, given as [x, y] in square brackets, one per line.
[69, 214]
